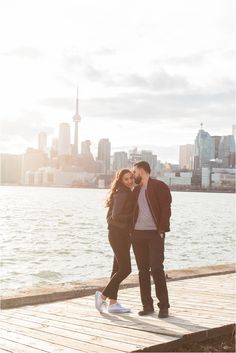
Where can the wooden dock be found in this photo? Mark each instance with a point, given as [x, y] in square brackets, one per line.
[197, 305]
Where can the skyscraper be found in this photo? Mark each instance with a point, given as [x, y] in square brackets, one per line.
[64, 147]
[216, 144]
[104, 153]
[76, 119]
[42, 141]
[186, 155]
[135, 156]
[10, 168]
[120, 160]
[203, 149]
[151, 158]
[85, 147]
[234, 131]
[226, 150]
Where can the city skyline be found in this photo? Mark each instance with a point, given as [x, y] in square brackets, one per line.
[148, 75]
[66, 138]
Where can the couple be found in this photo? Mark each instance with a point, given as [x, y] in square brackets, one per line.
[139, 216]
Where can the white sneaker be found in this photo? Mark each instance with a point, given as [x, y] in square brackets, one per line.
[100, 304]
[117, 308]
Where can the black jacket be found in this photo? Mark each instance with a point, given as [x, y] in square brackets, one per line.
[120, 213]
[159, 200]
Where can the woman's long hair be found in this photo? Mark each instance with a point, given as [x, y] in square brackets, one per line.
[115, 185]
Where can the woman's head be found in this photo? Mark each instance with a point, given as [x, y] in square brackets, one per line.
[123, 177]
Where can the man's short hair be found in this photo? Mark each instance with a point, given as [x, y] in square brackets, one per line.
[144, 165]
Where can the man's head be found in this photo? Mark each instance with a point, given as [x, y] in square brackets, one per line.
[141, 171]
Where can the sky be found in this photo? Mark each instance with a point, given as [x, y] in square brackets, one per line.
[149, 71]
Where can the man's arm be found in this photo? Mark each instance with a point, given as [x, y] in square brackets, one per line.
[165, 200]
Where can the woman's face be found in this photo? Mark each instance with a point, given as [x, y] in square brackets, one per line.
[128, 180]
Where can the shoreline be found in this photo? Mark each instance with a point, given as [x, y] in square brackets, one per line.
[63, 291]
[172, 188]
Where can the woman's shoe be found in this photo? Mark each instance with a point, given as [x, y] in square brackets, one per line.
[100, 304]
[117, 308]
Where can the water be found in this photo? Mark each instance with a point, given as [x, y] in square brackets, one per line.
[51, 235]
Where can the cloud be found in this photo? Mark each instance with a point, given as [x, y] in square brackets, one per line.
[187, 107]
[103, 52]
[83, 62]
[195, 59]
[24, 52]
[155, 81]
[26, 127]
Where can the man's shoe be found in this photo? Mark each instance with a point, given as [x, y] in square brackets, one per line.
[163, 313]
[146, 311]
[100, 304]
[117, 308]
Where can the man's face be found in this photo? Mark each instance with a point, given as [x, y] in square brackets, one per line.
[137, 175]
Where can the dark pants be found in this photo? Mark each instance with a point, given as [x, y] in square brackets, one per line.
[148, 249]
[120, 242]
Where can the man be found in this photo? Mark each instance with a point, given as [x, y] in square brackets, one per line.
[152, 213]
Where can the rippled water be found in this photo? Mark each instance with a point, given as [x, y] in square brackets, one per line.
[53, 235]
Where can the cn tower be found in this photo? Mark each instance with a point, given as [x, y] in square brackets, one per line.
[76, 119]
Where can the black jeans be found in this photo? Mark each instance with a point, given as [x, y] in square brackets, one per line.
[120, 243]
[148, 249]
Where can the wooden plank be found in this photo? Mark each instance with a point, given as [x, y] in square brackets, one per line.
[83, 311]
[13, 343]
[223, 305]
[6, 350]
[25, 343]
[129, 320]
[115, 325]
[69, 339]
[95, 331]
[168, 329]
[195, 305]
[107, 328]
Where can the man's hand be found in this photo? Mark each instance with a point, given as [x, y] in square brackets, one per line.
[162, 234]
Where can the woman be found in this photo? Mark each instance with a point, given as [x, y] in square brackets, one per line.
[119, 219]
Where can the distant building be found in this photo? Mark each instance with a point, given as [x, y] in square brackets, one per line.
[223, 177]
[32, 160]
[205, 179]
[151, 158]
[42, 141]
[159, 166]
[104, 154]
[145, 155]
[135, 156]
[203, 149]
[120, 160]
[64, 144]
[186, 156]
[10, 168]
[174, 178]
[226, 150]
[55, 177]
[54, 148]
[234, 131]
[85, 147]
[216, 144]
[100, 167]
[218, 177]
